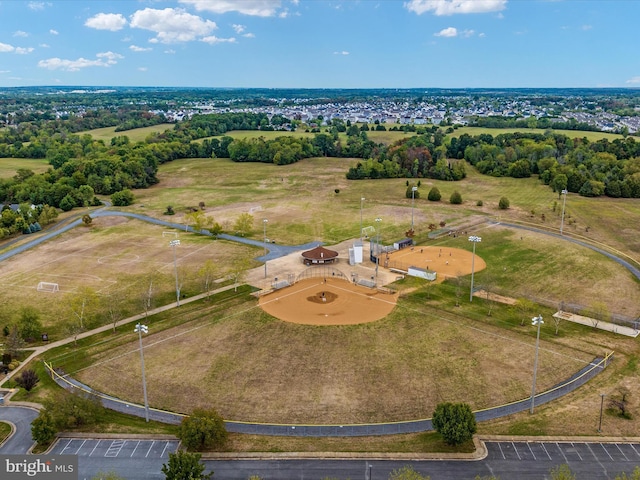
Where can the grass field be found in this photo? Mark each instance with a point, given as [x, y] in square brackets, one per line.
[591, 136]
[135, 135]
[9, 166]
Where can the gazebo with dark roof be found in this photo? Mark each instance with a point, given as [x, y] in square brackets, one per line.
[319, 256]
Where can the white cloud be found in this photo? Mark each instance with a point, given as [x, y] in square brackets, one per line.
[172, 25]
[283, 14]
[468, 33]
[135, 48]
[4, 47]
[343, 52]
[170, 51]
[447, 32]
[212, 40]
[452, 7]
[53, 32]
[44, 45]
[634, 80]
[24, 51]
[249, 35]
[258, 8]
[20, 33]
[482, 35]
[587, 27]
[35, 6]
[142, 69]
[238, 28]
[105, 59]
[107, 21]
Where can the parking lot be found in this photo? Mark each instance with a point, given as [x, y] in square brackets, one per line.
[115, 448]
[564, 452]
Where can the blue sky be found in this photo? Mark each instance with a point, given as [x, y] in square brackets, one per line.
[321, 43]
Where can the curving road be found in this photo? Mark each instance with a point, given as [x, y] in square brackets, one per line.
[20, 418]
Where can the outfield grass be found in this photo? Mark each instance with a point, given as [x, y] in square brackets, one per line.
[9, 166]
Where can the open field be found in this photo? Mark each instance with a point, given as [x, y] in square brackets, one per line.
[135, 135]
[253, 367]
[591, 136]
[116, 260]
[9, 166]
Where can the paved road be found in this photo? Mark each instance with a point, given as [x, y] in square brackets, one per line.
[21, 418]
[143, 459]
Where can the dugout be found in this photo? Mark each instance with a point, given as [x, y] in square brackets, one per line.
[404, 243]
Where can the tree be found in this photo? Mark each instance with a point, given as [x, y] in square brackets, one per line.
[110, 475]
[14, 342]
[185, 466]
[82, 305]
[599, 312]
[114, 310]
[455, 422]
[407, 473]
[524, 306]
[29, 324]
[244, 224]
[455, 198]
[43, 429]
[562, 472]
[72, 410]
[208, 272]
[238, 269]
[434, 195]
[28, 379]
[203, 430]
[503, 204]
[122, 198]
[86, 219]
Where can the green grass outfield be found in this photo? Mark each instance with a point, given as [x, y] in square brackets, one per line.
[9, 166]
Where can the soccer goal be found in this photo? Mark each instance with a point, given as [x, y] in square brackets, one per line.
[368, 231]
[48, 287]
[171, 233]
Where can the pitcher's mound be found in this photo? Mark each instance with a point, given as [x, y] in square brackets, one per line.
[316, 301]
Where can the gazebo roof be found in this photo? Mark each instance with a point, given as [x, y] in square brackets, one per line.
[320, 253]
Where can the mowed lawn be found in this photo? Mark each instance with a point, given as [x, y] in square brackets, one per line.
[252, 367]
[9, 166]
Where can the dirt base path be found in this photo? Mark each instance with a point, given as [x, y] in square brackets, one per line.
[445, 261]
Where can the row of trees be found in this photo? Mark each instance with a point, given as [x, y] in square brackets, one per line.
[578, 165]
[25, 219]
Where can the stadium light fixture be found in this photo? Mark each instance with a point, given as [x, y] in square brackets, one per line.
[264, 231]
[535, 321]
[474, 239]
[140, 329]
[413, 195]
[174, 244]
[564, 202]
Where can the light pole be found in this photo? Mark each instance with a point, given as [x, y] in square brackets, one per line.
[535, 321]
[264, 231]
[413, 195]
[474, 239]
[602, 395]
[564, 202]
[174, 244]
[378, 220]
[140, 329]
[369, 468]
[361, 203]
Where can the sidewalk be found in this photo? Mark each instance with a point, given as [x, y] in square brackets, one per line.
[136, 318]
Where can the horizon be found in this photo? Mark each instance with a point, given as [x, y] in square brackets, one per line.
[320, 44]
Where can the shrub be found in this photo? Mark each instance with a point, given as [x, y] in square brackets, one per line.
[185, 465]
[28, 379]
[455, 422]
[479, 203]
[503, 204]
[203, 430]
[43, 429]
[456, 198]
[434, 195]
[122, 198]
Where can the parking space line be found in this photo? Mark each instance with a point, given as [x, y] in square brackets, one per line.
[516, 450]
[94, 448]
[136, 447]
[66, 446]
[634, 449]
[81, 445]
[545, 450]
[164, 449]
[606, 451]
[534, 455]
[500, 447]
[625, 457]
[150, 447]
[577, 452]
[563, 455]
